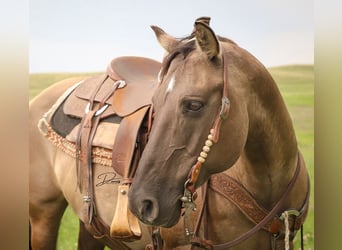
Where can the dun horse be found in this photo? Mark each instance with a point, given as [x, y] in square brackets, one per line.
[221, 167]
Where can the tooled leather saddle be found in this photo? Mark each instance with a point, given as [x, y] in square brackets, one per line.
[106, 119]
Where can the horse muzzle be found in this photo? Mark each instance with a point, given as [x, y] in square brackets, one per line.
[153, 211]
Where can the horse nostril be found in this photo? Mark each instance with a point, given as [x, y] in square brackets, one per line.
[147, 207]
[149, 210]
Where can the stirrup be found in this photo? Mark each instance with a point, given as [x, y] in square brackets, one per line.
[125, 225]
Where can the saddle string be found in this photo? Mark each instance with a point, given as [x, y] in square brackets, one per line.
[86, 133]
[95, 92]
[79, 134]
[92, 134]
[91, 208]
[84, 166]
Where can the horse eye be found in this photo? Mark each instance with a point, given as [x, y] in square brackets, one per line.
[193, 106]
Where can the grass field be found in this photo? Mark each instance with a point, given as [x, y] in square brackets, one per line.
[296, 84]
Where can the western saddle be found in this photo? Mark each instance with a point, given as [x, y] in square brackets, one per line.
[112, 112]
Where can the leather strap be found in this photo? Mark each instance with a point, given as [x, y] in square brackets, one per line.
[157, 241]
[263, 222]
[101, 231]
[196, 241]
[83, 157]
[232, 190]
[225, 103]
[215, 131]
[126, 152]
[125, 141]
[202, 212]
[89, 124]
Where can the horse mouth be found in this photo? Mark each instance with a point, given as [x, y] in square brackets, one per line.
[154, 212]
[166, 223]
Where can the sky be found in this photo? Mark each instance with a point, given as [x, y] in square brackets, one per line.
[85, 35]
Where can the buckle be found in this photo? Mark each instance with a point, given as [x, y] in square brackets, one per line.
[117, 85]
[225, 106]
[120, 84]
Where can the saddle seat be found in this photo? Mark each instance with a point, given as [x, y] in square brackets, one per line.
[140, 75]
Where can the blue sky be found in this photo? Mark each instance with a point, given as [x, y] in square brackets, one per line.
[84, 35]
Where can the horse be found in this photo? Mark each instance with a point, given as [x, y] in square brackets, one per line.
[217, 110]
[216, 113]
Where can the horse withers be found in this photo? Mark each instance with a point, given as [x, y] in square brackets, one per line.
[222, 154]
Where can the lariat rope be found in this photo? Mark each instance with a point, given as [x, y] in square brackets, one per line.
[285, 217]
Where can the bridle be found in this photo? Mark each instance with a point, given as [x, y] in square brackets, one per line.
[214, 134]
[190, 193]
[213, 137]
[190, 185]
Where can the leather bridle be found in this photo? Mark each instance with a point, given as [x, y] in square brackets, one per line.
[214, 134]
[191, 183]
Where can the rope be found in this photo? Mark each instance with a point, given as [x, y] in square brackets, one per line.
[285, 217]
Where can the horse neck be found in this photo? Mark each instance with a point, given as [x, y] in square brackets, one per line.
[270, 152]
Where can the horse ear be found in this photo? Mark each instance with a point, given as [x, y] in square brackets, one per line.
[206, 39]
[166, 41]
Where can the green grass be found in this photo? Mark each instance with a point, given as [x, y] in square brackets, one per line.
[296, 83]
[38, 82]
[68, 232]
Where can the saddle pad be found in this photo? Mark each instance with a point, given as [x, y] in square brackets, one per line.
[62, 129]
[104, 136]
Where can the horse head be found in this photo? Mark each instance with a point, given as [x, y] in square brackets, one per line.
[198, 102]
